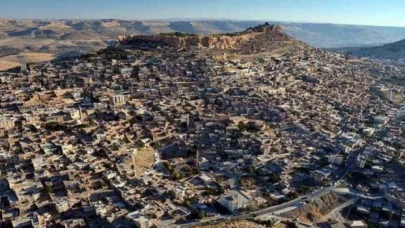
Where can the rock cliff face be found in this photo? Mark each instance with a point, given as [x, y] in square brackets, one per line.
[266, 33]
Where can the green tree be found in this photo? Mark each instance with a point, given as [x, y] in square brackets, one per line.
[173, 194]
[176, 176]
[168, 166]
[250, 169]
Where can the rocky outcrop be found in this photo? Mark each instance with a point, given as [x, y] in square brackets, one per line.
[317, 208]
[266, 32]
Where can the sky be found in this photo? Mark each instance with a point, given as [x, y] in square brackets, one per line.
[363, 12]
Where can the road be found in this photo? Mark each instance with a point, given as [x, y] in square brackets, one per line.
[269, 210]
[336, 213]
[352, 192]
[351, 160]
[350, 165]
[300, 200]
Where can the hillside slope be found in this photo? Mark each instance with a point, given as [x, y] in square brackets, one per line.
[392, 51]
[74, 37]
[318, 35]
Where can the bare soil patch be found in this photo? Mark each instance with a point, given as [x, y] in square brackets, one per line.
[5, 65]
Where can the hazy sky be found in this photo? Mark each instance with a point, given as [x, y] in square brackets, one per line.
[369, 12]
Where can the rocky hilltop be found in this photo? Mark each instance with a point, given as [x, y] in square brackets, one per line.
[252, 39]
[24, 41]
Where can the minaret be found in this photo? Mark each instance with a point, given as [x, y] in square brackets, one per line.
[80, 113]
[134, 153]
[198, 159]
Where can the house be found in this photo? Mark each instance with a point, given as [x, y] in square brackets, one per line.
[21, 222]
[363, 210]
[402, 222]
[277, 196]
[139, 220]
[320, 175]
[6, 123]
[358, 224]
[335, 159]
[377, 169]
[117, 100]
[74, 223]
[233, 201]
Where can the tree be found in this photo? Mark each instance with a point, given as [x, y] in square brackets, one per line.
[273, 178]
[390, 217]
[250, 169]
[91, 121]
[176, 176]
[140, 143]
[368, 164]
[310, 216]
[195, 171]
[187, 169]
[49, 189]
[293, 195]
[114, 147]
[200, 215]
[168, 166]
[195, 147]
[114, 53]
[323, 183]
[397, 145]
[242, 126]
[187, 203]
[396, 156]
[172, 194]
[304, 189]
[259, 172]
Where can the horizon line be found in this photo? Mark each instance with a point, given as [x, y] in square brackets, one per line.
[199, 19]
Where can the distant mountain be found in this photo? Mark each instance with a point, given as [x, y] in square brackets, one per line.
[334, 35]
[72, 37]
[391, 51]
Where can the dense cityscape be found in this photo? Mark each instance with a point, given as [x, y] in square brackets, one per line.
[151, 135]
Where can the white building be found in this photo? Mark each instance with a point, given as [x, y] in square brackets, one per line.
[75, 114]
[358, 224]
[118, 100]
[126, 70]
[378, 169]
[233, 201]
[335, 159]
[100, 105]
[361, 161]
[139, 220]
